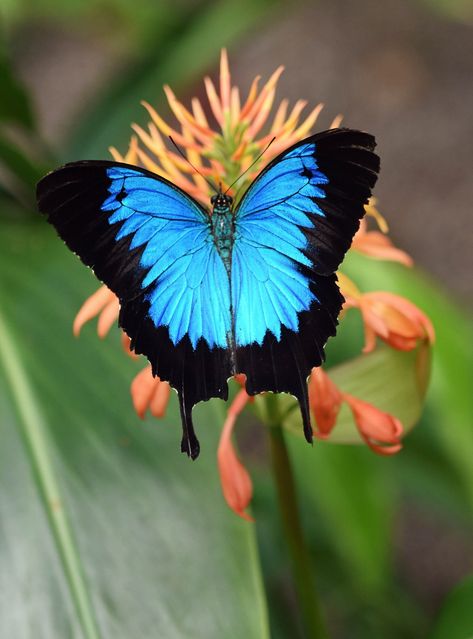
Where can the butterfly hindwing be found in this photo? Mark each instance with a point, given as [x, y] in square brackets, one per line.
[152, 245]
[293, 227]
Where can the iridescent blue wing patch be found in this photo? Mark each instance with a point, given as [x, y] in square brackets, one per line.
[153, 246]
[293, 227]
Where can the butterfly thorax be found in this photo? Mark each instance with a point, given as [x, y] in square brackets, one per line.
[223, 226]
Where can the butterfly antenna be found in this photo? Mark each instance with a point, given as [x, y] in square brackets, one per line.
[252, 164]
[183, 155]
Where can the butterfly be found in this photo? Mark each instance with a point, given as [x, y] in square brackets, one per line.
[207, 294]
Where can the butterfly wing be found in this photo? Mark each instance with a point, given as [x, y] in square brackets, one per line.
[292, 229]
[152, 245]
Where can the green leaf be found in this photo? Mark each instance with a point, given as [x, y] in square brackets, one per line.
[25, 170]
[393, 381]
[456, 9]
[456, 616]
[347, 495]
[190, 46]
[15, 106]
[107, 529]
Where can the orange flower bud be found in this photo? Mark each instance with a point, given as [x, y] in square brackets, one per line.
[236, 482]
[325, 400]
[381, 431]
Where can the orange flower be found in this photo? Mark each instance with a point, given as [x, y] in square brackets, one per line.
[379, 430]
[393, 318]
[236, 482]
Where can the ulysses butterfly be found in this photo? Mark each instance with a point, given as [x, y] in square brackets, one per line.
[247, 289]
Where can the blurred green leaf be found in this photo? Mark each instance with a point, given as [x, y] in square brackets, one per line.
[25, 170]
[355, 505]
[106, 529]
[181, 55]
[457, 9]
[456, 616]
[15, 106]
[19, 175]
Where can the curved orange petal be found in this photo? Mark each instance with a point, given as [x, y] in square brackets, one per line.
[371, 210]
[304, 128]
[325, 400]
[108, 317]
[160, 399]
[381, 431]
[214, 101]
[370, 338]
[142, 390]
[92, 306]
[375, 244]
[225, 86]
[163, 126]
[261, 116]
[236, 482]
[267, 88]
[250, 100]
[410, 310]
[336, 122]
[393, 317]
[234, 106]
[348, 288]
[279, 117]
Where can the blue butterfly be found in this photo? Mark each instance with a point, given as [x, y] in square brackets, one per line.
[248, 289]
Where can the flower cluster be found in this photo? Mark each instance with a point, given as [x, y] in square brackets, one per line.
[243, 130]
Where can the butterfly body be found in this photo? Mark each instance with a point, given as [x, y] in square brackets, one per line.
[245, 289]
[223, 227]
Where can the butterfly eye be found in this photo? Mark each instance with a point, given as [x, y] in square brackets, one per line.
[213, 199]
[229, 199]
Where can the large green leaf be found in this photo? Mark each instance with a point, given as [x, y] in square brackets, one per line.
[106, 529]
[456, 616]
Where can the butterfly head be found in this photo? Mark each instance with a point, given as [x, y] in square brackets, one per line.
[221, 203]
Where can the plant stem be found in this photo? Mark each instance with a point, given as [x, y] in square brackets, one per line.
[288, 506]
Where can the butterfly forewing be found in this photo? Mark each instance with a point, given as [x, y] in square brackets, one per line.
[293, 228]
[152, 245]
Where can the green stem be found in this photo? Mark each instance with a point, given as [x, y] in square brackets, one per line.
[298, 550]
